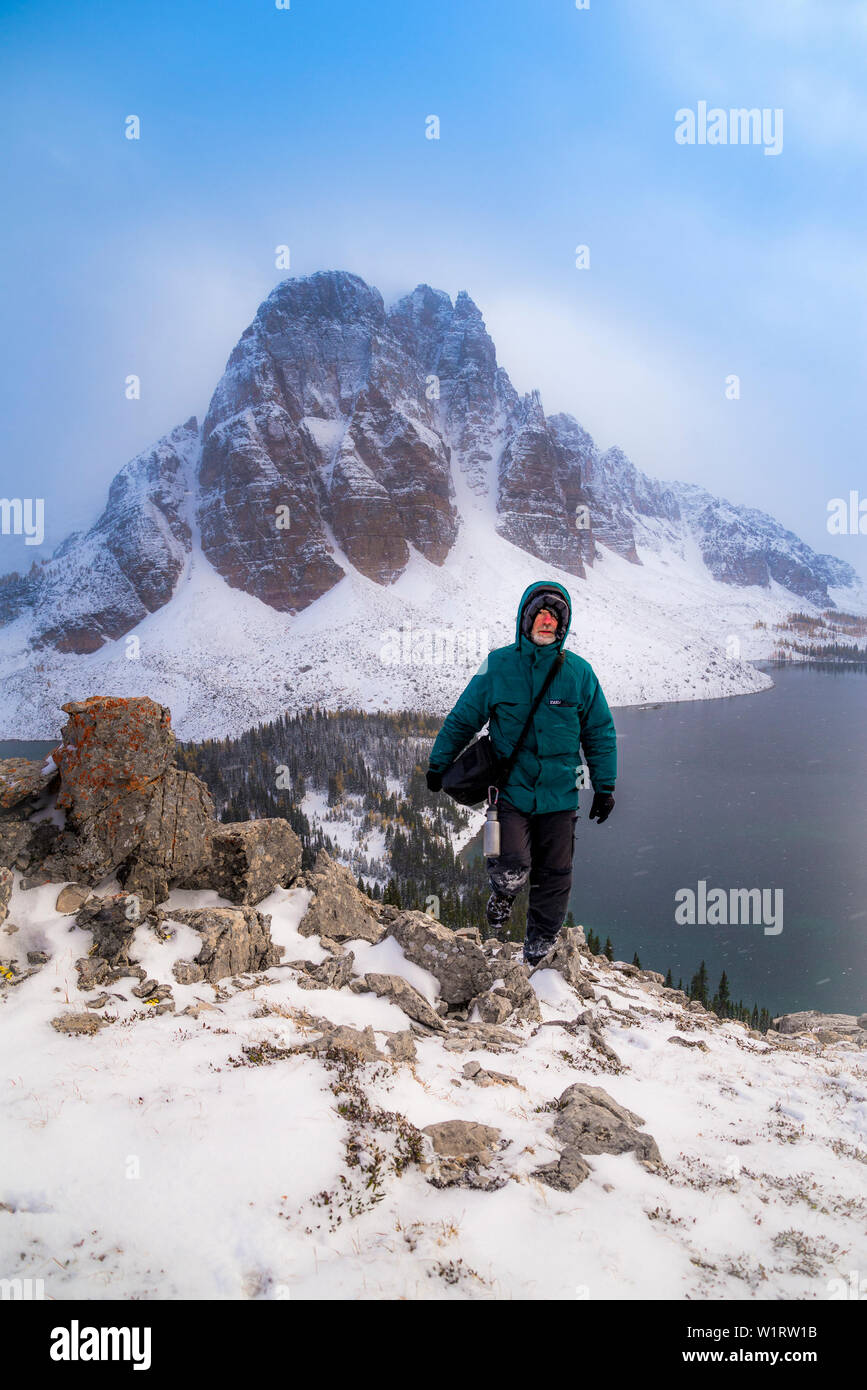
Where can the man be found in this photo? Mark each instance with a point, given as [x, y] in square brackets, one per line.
[538, 804]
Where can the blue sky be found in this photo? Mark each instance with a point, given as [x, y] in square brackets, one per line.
[306, 126]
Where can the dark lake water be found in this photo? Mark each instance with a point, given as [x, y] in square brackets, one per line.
[763, 791]
[752, 791]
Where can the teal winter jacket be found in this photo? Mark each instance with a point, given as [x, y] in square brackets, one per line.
[573, 717]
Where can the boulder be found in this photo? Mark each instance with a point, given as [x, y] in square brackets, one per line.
[16, 837]
[337, 908]
[493, 1007]
[335, 1041]
[24, 780]
[462, 1148]
[462, 1139]
[78, 1023]
[113, 920]
[71, 898]
[173, 837]
[513, 980]
[457, 962]
[589, 1121]
[401, 1046]
[401, 993]
[565, 956]
[113, 751]
[247, 860]
[112, 759]
[335, 972]
[810, 1021]
[235, 940]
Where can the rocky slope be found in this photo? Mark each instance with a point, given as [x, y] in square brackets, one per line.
[234, 1079]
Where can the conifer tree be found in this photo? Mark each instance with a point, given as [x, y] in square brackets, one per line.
[698, 985]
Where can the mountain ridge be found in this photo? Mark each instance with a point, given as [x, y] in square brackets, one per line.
[385, 436]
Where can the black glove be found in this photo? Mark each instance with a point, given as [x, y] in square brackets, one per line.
[603, 805]
[434, 780]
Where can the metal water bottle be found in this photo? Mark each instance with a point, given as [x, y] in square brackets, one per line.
[492, 825]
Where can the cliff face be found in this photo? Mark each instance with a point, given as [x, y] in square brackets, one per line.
[101, 583]
[334, 439]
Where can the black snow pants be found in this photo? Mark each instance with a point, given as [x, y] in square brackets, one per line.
[538, 847]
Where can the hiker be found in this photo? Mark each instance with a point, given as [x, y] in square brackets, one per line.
[538, 802]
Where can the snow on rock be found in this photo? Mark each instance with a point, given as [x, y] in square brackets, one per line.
[338, 523]
[219, 1151]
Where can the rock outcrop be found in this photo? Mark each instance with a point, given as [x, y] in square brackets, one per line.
[127, 809]
[337, 910]
[235, 940]
[456, 962]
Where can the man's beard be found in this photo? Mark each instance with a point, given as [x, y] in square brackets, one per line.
[545, 638]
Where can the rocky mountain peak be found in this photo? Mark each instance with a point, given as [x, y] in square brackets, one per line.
[334, 439]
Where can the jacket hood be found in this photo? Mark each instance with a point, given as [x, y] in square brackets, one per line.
[528, 594]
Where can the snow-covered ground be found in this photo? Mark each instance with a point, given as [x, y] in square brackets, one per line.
[144, 1162]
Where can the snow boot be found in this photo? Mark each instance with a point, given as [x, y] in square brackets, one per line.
[498, 912]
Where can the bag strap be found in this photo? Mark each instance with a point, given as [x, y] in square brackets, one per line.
[509, 763]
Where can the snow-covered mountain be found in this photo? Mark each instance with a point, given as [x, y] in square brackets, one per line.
[362, 470]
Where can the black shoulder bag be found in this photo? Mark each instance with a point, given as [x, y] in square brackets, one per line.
[478, 768]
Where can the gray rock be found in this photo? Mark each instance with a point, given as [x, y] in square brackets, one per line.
[113, 920]
[401, 1046]
[173, 838]
[71, 898]
[186, 972]
[22, 780]
[457, 962]
[16, 842]
[516, 986]
[352, 1042]
[809, 1020]
[589, 1121]
[401, 993]
[113, 755]
[235, 940]
[493, 1007]
[244, 861]
[463, 1148]
[337, 909]
[335, 972]
[463, 1139]
[6, 885]
[92, 971]
[690, 1042]
[565, 956]
[78, 1023]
